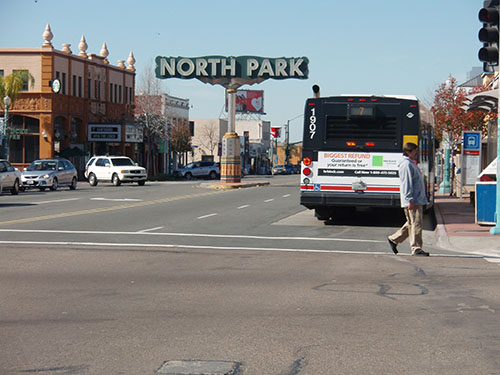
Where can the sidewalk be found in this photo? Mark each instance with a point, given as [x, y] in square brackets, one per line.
[456, 229]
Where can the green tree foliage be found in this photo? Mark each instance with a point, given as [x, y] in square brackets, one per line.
[13, 84]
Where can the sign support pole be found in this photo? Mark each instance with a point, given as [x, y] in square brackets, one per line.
[496, 228]
[231, 160]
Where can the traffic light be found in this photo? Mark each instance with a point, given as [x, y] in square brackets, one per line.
[488, 15]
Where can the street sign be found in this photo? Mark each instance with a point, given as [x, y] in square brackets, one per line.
[471, 156]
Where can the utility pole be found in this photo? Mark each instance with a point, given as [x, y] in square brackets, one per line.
[489, 55]
[287, 140]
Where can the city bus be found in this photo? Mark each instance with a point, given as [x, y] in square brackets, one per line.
[352, 145]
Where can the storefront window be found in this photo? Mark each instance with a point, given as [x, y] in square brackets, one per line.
[27, 148]
[16, 150]
[32, 125]
[76, 124]
[32, 147]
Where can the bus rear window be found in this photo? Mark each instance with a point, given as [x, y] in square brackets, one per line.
[360, 129]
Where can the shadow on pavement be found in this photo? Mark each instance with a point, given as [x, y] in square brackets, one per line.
[378, 217]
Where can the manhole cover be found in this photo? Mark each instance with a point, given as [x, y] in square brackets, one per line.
[195, 367]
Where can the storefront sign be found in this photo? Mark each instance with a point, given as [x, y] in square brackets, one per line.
[471, 156]
[247, 67]
[134, 133]
[104, 133]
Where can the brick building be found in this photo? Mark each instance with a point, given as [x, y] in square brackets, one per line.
[87, 114]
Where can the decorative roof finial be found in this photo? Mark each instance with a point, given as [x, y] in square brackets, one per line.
[47, 36]
[83, 47]
[104, 52]
[131, 61]
[67, 48]
[121, 64]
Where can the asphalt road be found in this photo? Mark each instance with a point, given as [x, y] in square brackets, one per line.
[112, 280]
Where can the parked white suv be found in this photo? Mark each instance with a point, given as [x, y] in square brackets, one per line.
[115, 169]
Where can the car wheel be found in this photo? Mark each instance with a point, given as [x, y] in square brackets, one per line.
[55, 184]
[141, 183]
[73, 184]
[188, 176]
[212, 175]
[116, 180]
[15, 188]
[92, 180]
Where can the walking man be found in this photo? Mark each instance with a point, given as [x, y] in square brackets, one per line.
[413, 200]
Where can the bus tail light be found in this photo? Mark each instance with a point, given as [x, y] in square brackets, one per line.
[370, 144]
[306, 171]
[351, 144]
[307, 161]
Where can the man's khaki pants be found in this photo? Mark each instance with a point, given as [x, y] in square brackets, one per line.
[412, 229]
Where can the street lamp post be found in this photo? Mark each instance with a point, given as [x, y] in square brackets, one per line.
[287, 138]
[5, 139]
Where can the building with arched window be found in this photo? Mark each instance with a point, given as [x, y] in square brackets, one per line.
[80, 104]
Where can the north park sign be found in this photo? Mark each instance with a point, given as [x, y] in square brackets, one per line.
[222, 68]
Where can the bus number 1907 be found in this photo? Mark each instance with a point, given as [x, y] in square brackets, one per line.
[312, 122]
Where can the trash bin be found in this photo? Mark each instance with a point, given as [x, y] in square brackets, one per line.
[486, 192]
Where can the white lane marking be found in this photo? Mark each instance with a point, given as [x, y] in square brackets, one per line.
[269, 200]
[117, 199]
[142, 245]
[286, 195]
[170, 246]
[149, 230]
[205, 216]
[244, 206]
[171, 234]
[56, 200]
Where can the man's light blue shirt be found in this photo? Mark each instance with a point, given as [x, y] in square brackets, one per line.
[412, 183]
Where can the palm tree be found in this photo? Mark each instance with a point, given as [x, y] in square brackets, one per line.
[13, 84]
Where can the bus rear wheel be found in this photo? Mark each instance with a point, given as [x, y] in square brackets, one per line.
[322, 213]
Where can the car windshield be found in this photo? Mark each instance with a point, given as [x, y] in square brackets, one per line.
[190, 165]
[42, 166]
[118, 162]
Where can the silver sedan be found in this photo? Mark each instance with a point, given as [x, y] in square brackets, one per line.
[49, 173]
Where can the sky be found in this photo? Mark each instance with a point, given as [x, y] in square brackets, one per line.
[378, 47]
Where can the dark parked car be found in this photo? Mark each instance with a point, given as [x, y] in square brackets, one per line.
[290, 169]
[49, 173]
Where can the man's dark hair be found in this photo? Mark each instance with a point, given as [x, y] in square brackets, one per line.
[409, 147]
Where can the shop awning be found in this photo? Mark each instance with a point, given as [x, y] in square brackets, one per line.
[486, 101]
